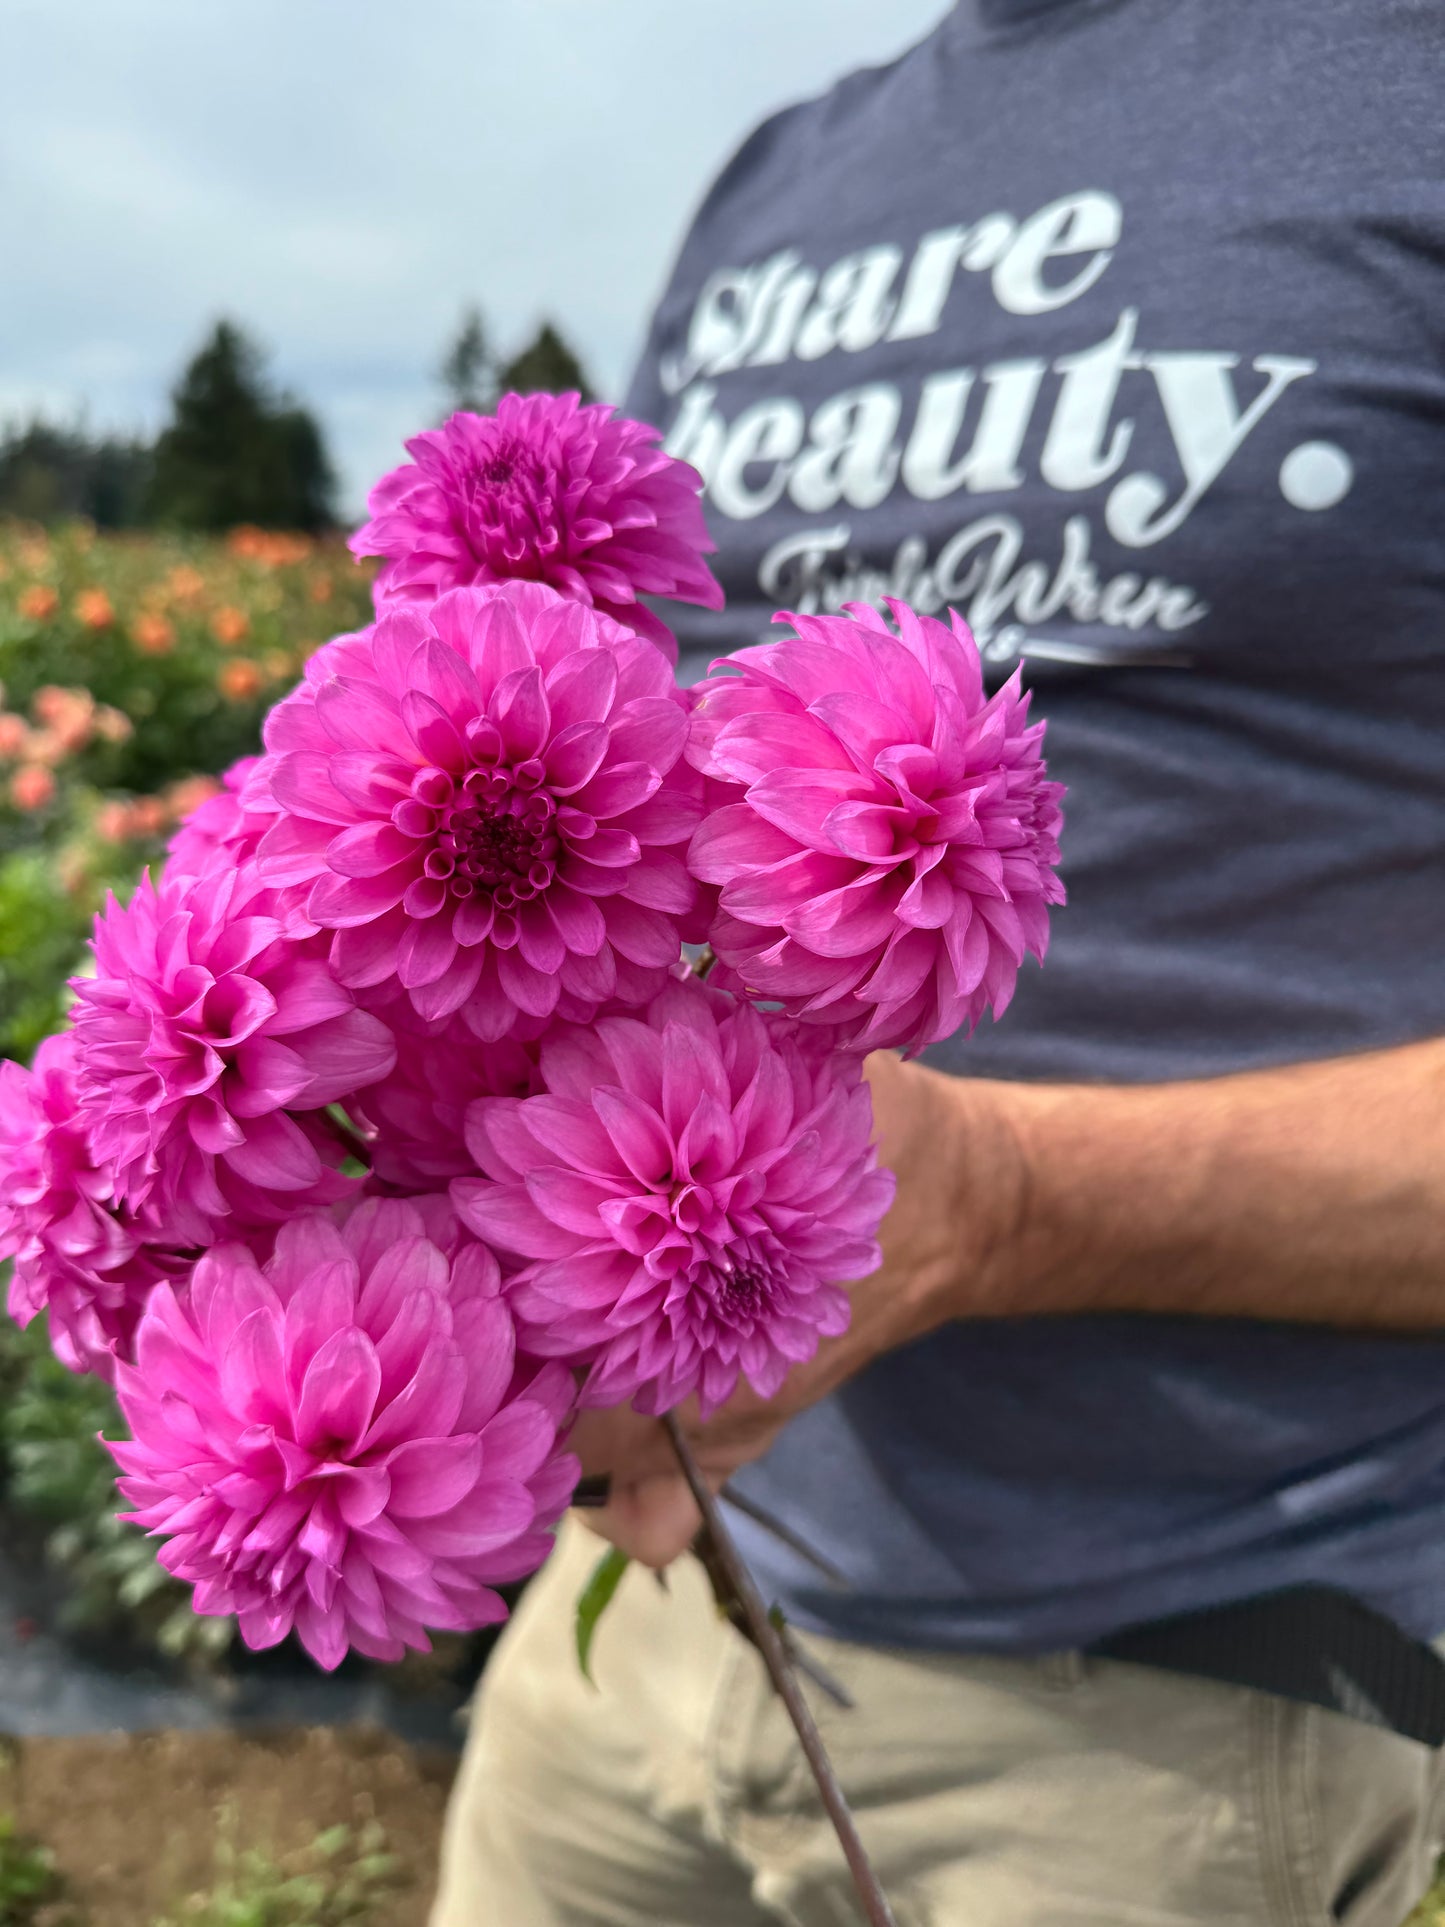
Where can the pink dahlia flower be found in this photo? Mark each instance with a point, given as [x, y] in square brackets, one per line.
[335, 1442]
[223, 832]
[415, 1116]
[491, 809]
[685, 1199]
[887, 859]
[200, 1034]
[546, 490]
[74, 1255]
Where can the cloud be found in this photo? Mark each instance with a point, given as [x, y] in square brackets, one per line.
[345, 180]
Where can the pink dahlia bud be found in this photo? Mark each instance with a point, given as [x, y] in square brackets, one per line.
[887, 859]
[546, 490]
[74, 1254]
[202, 1031]
[686, 1198]
[337, 1442]
[491, 809]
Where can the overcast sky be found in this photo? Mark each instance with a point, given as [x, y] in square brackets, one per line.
[344, 178]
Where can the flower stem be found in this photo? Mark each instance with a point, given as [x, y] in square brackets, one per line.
[769, 1643]
[350, 1140]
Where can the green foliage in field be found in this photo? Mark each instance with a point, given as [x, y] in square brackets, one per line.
[341, 1880]
[28, 1880]
[60, 1480]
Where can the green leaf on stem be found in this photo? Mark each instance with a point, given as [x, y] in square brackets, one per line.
[595, 1598]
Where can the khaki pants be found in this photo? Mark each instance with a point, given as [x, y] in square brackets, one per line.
[1058, 1792]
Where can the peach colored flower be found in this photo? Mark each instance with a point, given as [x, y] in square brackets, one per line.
[68, 716]
[113, 725]
[245, 541]
[94, 609]
[31, 788]
[148, 816]
[239, 680]
[189, 794]
[230, 625]
[14, 734]
[153, 634]
[39, 602]
[185, 583]
[112, 822]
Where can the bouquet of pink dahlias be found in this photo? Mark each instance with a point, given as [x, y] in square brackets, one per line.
[393, 1126]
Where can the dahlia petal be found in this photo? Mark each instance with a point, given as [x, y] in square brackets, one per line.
[425, 952]
[642, 936]
[337, 901]
[275, 1154]
[430, 1476]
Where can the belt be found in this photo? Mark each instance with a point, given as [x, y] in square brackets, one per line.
[1309, 1643]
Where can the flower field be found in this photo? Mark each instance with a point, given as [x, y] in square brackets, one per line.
[132, 669]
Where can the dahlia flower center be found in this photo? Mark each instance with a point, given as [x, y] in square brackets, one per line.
[496, 836]
[738, 1284]
[509, 510]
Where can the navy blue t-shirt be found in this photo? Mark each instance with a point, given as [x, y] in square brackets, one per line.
[1120, 326]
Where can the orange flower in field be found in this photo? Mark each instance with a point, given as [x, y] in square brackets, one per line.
[39, 602]
[239, 680]
[185, 583]
[189, 794]
[230, 625]
[113, 725]
[94, 609]
[153, 634]
[68, 716]
[148, 816]
[320, 587]
[14, 734]
[267, 546]
[112, 822]
[31, 788]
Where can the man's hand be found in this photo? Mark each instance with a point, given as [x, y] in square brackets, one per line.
[958, 1188]
[1313, 1192]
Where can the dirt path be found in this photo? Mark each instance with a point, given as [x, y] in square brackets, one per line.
[133, 1818]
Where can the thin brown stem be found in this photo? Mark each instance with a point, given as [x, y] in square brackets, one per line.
[769, 1643]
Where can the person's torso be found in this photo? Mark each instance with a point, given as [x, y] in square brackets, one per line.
[1119, 325]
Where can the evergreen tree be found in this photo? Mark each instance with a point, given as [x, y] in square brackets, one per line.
[546, 366]
[236, 452]
[49, 473]
[469, 369]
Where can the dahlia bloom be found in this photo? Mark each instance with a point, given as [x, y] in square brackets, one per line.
[74, 1255]
[200, 1034]
[415, 1116]
[224, 830]
[546, 490]
[887, 859]
[335, 1442]
[685, 1198]
[490, 808]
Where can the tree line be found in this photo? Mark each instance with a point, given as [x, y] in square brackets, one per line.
[236, 447]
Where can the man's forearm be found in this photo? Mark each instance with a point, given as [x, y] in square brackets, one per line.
[1314, 1192]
